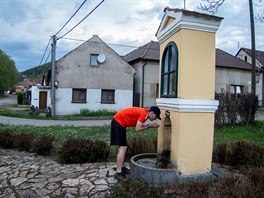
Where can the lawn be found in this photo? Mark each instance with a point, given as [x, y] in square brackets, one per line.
[24, 112]
[253, 133]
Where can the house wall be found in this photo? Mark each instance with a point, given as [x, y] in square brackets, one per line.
[150, 83]
[64, 105]
[151, 79]
[74, 71]
[242, 54]
[226, 77]
[35, 96]
[138, 80]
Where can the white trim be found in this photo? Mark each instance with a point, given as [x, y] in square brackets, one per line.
[187, 105]
[184, 21]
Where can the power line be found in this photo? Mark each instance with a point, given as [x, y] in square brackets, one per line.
[82, 20]
[119, 45]
[71, 17]
[45, 52]
[47, 57]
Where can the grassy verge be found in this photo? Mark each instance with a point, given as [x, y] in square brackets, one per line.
[253, 133]
[84, 115]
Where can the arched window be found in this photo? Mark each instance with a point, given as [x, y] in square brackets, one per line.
[169, 71]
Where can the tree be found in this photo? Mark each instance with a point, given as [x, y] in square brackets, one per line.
[8, 73]
[213, 6]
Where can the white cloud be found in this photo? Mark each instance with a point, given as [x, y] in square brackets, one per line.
[130, 22]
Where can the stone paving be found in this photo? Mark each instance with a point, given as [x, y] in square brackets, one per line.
[24, 174]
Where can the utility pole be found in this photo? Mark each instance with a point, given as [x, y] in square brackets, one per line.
[253, 63]
[53, 88]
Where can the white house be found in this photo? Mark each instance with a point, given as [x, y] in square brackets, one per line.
[92, 76]
[40, 97]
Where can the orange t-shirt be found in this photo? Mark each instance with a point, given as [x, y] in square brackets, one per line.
[128, 117]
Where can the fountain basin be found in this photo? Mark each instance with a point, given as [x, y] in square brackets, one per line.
[143, 167]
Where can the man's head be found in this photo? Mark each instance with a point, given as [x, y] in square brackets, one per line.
[154, 112]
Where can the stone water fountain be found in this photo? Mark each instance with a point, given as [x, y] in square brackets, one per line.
[186, 100]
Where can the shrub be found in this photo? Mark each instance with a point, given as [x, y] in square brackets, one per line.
[43, 145]
[135, 189]
[83, 151]
[235, 186]
[23, 141]
[99, 151]
[101, 112]
[245, 154]
[19, 98]
[154, 141]
[220, 153]
[137, 145]
[7, 138]
[235, 108]
[256, 176]
[195, 189]
[75, 151]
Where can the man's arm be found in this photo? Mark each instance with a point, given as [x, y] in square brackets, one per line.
[140, 126]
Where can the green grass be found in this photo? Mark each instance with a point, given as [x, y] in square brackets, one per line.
[253, 133]
[84, 115]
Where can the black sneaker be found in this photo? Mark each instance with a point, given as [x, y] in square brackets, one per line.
[120, 177]
[125, 170]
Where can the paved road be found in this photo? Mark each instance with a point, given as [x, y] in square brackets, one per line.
[8, 100]
[12, 100]
[32, 122]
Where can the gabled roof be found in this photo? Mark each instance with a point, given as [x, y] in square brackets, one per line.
[259, 54]
[224, 59]
[150, 52]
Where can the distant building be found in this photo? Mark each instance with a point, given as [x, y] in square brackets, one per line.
[232, 74]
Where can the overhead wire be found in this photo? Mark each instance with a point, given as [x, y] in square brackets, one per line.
[119, 45]
[71, 17]
[59, 32]
[47, 57]
[45, 52]
[81, 20]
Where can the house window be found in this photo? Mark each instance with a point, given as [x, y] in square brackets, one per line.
[93, 60]
[245, 58]
[108, 96]
[169, 71]
[78, 95]
[237, 89]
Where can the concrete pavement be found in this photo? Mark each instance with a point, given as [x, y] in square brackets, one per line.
[33, 122]
[8, 100]
[24, 174]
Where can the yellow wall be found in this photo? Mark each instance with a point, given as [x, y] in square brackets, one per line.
[191, 141]
[196, 72]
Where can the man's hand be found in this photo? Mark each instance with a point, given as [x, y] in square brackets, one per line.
[140, 126]
[153, 125]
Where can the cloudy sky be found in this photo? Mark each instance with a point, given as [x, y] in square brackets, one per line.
[26, 26]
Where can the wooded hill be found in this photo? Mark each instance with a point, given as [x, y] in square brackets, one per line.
[35, 72]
